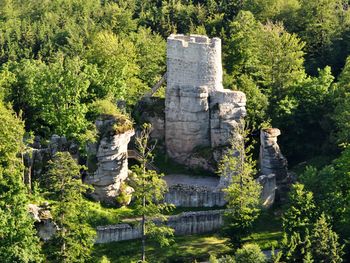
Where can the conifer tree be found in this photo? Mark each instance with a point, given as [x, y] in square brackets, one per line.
[325, 245]
[74, 239]
[242, 192]
[18, 240]
[301, 212]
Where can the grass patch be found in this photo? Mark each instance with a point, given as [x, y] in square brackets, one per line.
[184, 249]
[98, 215]
[267, 232]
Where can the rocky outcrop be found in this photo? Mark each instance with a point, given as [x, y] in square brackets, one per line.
[37, 155]
[199, 112]
[151, 110]
[46, 227]
[271, 159]
[108, 161]
[268, 192]
[188, 223]
[187, 120]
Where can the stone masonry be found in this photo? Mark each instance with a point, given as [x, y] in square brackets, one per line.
[199, 112]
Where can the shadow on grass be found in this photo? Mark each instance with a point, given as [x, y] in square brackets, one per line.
[183, 249]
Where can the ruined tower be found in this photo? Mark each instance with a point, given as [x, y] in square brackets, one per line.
[199, 112]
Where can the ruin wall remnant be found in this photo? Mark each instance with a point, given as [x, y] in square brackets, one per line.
[199, 112]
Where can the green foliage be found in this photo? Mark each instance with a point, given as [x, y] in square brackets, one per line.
[320, 24]
[74, 239]
[310, 117]
[18, 240]
[123, 198]
[325, 246]
[98, 215]
[242, 191]
[341, 113]
[250, 253]
[223, 259]
[184, 249]
[331, 186]
[51, 95]
[301, 211]
[267, 62]
[149, 194]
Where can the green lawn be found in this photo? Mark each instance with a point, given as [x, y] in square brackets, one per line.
[267, 234]
[99, 215]
[184, 249]
[267, 231]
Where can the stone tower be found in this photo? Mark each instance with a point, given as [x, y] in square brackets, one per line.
[199, 112]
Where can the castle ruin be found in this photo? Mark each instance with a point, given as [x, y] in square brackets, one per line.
[199, 112]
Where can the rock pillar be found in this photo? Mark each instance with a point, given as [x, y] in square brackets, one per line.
[108, 162]
[271, 159]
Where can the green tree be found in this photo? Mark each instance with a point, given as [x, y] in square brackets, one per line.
[242, 192]
[325, 246]
[250, 253]
[296, 247]
[301, 211]
[18, 240]
[268, 57]
[52, 95]
[331, 188]
[310, 116]
[341, 115]
[320, 23]
[149, 193]
[74, 238]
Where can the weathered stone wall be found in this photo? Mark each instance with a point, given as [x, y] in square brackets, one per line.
[194, 196]
[198, 111]
[111, 161]
[188, 223]
[187, 119]
[194, 61]
[227, 109]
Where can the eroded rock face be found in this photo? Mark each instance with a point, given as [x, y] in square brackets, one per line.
[37, 156]
[187, 120]
[268, 192]
[271, 159]
[199, 112]
[46, 227]
[111, 167]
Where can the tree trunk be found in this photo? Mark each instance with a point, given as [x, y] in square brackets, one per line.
[143, 257]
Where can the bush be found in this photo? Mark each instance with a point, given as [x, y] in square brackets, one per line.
[250, 253]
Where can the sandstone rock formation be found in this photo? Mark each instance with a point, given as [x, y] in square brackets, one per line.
[108, 162]
[44, 223]
[268, 191]
[199, 112]
[271, 159]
